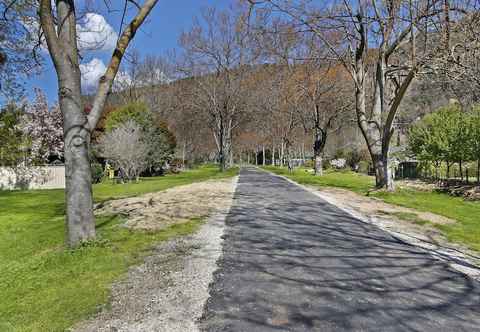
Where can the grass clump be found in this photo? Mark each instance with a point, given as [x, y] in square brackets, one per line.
[407, 216]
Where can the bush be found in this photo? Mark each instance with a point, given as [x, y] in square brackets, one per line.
[176, 165]
[340, 154]
[309, 163]
[354, 157]
[363, 167]
[97, 172]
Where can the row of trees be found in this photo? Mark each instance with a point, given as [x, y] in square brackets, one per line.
[270, 70]
[277, 74]
[450, 135]
[383, 46]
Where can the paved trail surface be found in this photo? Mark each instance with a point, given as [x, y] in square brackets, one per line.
[293, 262]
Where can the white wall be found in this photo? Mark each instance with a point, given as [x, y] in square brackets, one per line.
[38, 177]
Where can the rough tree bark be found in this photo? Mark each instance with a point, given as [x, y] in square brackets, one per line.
[273, 155]
[61, 39]
[263, 155]
[377, 129]
[320, 138]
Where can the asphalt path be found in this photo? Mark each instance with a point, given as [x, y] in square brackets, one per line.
[293, 262]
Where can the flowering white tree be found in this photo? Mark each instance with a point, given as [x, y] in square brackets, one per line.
[339, 163]
[44, 127]
[126, 148]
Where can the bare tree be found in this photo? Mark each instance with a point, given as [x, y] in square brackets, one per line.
[60, 30]
[127, 148]
[128, 81]
[327, 103]
[458, 67]
[17, 44]
[376, 42]
[215, 58]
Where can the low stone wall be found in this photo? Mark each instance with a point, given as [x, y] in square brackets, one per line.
[37, 177]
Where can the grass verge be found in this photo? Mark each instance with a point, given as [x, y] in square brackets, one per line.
[467, 214]
[45, 287]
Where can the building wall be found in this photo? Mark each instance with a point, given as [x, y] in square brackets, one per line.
[38, 177]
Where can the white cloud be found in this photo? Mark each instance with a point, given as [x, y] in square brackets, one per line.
[122, 80]
[91, 73]
[94, 33]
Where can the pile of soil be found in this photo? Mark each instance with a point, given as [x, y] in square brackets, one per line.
[158, 210]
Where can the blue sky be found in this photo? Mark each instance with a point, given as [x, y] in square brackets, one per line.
[159, 34]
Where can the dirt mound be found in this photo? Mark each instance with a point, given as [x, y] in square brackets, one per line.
[155, 211]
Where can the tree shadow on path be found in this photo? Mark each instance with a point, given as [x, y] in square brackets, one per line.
[293, 262]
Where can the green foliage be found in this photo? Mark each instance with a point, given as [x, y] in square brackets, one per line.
[363, 167]
[14, 144]
[449, 135]
[97, 172]
[355, 156]
[340, 154]
[474, 131]
[45, 287]
[137, 112]
[162, 144]
[160, 139]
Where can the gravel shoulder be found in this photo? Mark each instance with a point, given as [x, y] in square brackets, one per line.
[169, 290]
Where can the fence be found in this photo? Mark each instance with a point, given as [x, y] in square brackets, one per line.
[37, 177]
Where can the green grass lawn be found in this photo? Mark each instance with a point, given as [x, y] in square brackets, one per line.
[46, 287]
[467, 214]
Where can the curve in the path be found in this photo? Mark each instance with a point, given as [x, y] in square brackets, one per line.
[293, 262]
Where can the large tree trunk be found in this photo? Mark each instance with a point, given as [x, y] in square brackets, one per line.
[383, 173]
[61, 36]
[263, 155]
[273, 154]
[282, 152]
[184, 153]
[377, 124]
[318, 165]
[80, 222]
[319, 141]
[460, 167]
[478, 172]
[221, 157]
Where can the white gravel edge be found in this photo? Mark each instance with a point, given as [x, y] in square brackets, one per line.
[193, 282]
[455, 259]
[179, 305]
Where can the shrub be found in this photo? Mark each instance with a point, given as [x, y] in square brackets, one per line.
[176, 165]
[355, 156]
[97, 172]
[309, 163]
[363, 167]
